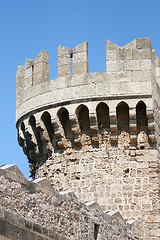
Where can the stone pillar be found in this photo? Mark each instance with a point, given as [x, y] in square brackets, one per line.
[80, 58]
[64, 61]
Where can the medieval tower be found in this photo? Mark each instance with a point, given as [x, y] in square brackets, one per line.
[96, 134]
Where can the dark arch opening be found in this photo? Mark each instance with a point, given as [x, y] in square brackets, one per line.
[46, 119]
[122, 112]
[32, 122]
[82, 113]
[102, 111]
[63, 116]
[20, 139]
[22, 126]
[141, 117]
[28, 143]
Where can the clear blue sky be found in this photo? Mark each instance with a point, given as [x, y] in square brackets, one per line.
[27, 27]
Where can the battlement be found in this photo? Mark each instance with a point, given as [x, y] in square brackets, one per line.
[127, 67]
[34, 72]
[83, 109]
[79, 65]
[136, 55]
[94, 134]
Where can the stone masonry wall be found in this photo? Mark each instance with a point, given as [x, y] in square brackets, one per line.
[119, 180]
[156, 101]
[32, 210]
[97, 134]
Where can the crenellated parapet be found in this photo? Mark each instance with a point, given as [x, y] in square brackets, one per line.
[135, 56]
[127, 67]
[93, 144]
[81, 110]
[75, 59]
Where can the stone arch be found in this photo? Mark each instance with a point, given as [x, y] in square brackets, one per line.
[22, 126]
[82, 113]
[27, 144]
[122, 112]
[63, 116]
[141, 117]
[21, 139]
[32, 122]
[46, 119]
[102, 111]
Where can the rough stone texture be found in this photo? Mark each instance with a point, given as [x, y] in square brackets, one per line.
[119, 180]
[97, 134]
[31, 214]
[156, 101]
[79, 65]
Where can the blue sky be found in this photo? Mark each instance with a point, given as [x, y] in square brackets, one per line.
[27, 27]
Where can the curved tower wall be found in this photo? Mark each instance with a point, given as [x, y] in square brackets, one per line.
[95, 133]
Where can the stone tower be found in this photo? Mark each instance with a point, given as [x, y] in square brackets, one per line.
[97, 134]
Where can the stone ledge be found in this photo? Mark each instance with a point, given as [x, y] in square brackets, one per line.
[16, 227]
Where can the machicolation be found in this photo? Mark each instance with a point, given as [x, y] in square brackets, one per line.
[95, 134]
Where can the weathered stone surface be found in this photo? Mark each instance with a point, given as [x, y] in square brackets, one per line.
[43, 216]
[96, 134]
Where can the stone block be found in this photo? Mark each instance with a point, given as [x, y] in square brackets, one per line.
[83, 47]
[28, 72]
[124, 54]
[62, 51]
[131, 224]
[130, 45]
[131, 65]
[42, 184]
[111, 55]
[140, 54]
[122, 87]
[64, 60]
[80, 57]
[80, 68]
[28, 82]
[64, 70]
[43, 56]
[144, 76]
[94, 206]
[12, 172]
[146, 65]
[20, 76]
[142, 43]
[115, 66]
[111, 46]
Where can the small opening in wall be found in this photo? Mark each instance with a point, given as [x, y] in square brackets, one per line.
[96, 229]
[71, 63]
[127, 170]
[141, 147]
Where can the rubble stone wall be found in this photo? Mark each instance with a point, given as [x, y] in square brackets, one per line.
[119, 180]
[32, 210]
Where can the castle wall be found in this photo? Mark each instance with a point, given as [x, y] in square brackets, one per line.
[15, 227]
[156, 101]
[32, 210]
[122, 180]
[128, 80]
[96, 133]
[91, 86]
